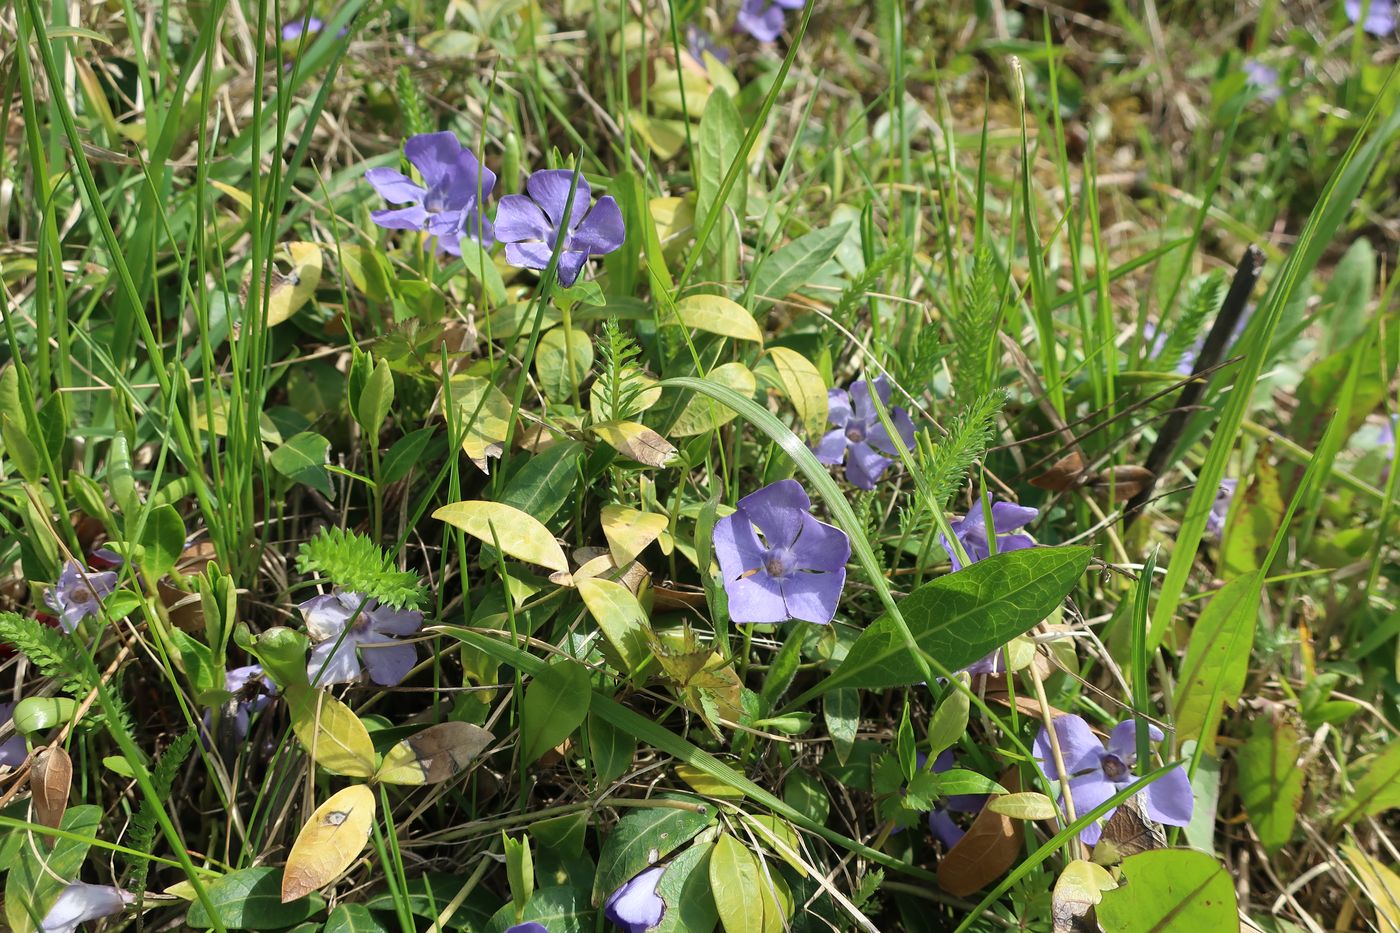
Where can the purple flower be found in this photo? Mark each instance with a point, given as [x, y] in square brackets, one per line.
[795, 572]
[529, 927]
[971, 530]
[698, 42]
[530, 225]
[251, 690]
[1385, 437]
[78, 594]
[1220, 508]
[944, 829]
[1264, 78]
[1097, 773]
[860, 431]
[763, 19]
[1380, 15]
[373, 630]
[292, 29]
[13, 751]
[80, 902]
[449, 207]
[635, 907]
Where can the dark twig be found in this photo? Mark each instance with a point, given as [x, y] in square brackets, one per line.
[1231, 309]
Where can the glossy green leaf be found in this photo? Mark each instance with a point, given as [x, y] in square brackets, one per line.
[561, 909]
[546, 481]
[367, 270]
[1169, 890]
[406, 454]
[162, 540]
[353, 918]
[961, 616]
[796, 263]
[40, 714]
[621, 618]
[552, 362]
[644, 836]
[251, 899]
[40, 873]
[302, 459]
[556, 702]
[1024, 806]
[375, 400]
[685, 889]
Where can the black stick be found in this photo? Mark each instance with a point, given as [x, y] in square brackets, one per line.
[1246, 275]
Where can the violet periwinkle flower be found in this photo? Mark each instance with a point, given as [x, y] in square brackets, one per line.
[292, 29]
[1220, 508]
[530, 224]
[1097, 772]
[796, 571]
[1380, 15]
[528, 927]
[636, 907]
[448, 205]
[78, 594]
[940, 823]
[80, 902]
[251, 690]
[698, 42]
[1264, 78]
[861, 434]
[13, 751]
[373, 630]
[971, 530]
[763, 19]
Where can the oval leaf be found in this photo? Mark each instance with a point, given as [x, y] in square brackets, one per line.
[332, 734]
[1170, 889]
[703, 414]
[520, 535]
[737, 883]
[636, 442]
[620, 616]
[644, 836]
[716, 314]
[556, 703]
[329, 842]
[629, 531]
[435, 754]
[804, 387]
[294, 288]
[250, 900]
[1024, 806]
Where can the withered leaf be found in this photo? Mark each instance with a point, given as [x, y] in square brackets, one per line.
[433, 755]
[50, 778]
[990, 847]
[1066, 473]
[1128, 832]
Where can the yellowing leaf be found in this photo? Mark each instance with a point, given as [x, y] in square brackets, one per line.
[485, 415]
[665, 137]
[293, 289]
[242, 198]
[636, 442]
[778, 835]
[435, 754]
[629, 531]
[1381, 885]
[516, 533]
[804, 387]
[1079, 889]
[1023, 806]
[702, 414]
[672, 217]
[718, 315]
[621, 618]
[737, 882]
[332, 734]
[672, 88]
[706, 783]
[329, 842]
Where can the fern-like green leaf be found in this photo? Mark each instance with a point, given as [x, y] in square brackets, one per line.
[412, 103]
[975, 328]
[969, 432]
[141, 834]
[61, 659]
[354, 562]
[1206, 295]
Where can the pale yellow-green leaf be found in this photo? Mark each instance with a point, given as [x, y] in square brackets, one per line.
[702, 414]
[629, 531]
[1079, 889]
[241, 198]
[552, 362]
[1381, 886]
[639, 403]
[737, 884]
[514, 532]
[673, 217]
[329, 842]
[670, 85]
[485, 414]
[803, 384]
[778, 835]
[720, 75]
[294, 288]
[331, 733]
[636, 442]
[368, 271]
[1023, 806]
[664, 137]
[214, 417]
[620, 616]
[716, 314]
[706, 783]
[433, 755]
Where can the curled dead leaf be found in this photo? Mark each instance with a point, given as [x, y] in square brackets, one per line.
[990, 847]
[50, 778]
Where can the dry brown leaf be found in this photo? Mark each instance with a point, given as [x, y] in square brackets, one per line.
[50, 778]
[990, 847]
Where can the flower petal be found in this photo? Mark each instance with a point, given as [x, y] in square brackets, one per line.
[602, 231]
[1122, 741]
[1169, 799]
[80, 902]
[635, 907]
[864, 466]
[529, 255]
[391, 621]
[813, 597]
[838, 407]
[434, 155]
[1008, 516]
[831, 449]
[403, 218]
[756, 599]
[1079, 747]
[760, 19]
[570, 265]
[820, 546]
[328, 614]
[860, 398]
[343, 667]
[879, 438]
[1088, 791]
[394, 186]
[777, 510]
[528, 927]
[388, 662]
[736, 547]
[943, 827]
[519, 219]
[549, 188]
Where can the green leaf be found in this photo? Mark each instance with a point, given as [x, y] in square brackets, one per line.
[552, 362]
[406, 454]
[302, 459]
[644, 836]
[251, 899]
[40, 874]
[517, 534]
[40, 714]
[961, 616]
[560, 909]
[685, 889]
[353, 918]
[721, 133]
[1217, 660]
[621, 618]
[796, 263]
[737, 885]
[1024, 806]
[556, 703]
[702, 415]
[520, 869]
[479, 265]
[612, 749]
[841, 712]
[19, 449]
[546, 480]
[198, 661]
[1168, 890]
[959, 781]
[1270, 782]
[163, 540]
[368, 271]
[1348, 293]
[716, 314]
[949, 721]
[1376, 790]
[375, 399]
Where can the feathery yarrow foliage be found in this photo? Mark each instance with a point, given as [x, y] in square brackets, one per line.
[354, 562]
[58, 656]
